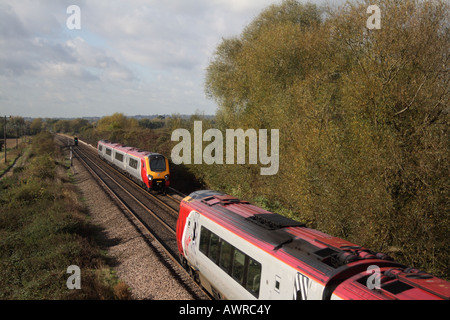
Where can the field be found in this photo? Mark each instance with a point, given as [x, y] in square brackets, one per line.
[44, 229]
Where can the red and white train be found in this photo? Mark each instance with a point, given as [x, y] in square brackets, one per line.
[239, 251]
[150, 170]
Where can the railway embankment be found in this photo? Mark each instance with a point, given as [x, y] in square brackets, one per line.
[45, 229]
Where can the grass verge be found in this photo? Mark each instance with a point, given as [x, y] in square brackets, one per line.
[44, 230]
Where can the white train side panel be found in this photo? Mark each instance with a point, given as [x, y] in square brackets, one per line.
[276, 280]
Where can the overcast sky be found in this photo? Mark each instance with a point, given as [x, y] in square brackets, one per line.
[135, 57]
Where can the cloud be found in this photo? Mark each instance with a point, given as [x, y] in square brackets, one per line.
[136, 57]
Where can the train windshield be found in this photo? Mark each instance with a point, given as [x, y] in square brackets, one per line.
[157, 163]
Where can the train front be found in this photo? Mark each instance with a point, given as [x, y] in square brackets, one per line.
[158, 173]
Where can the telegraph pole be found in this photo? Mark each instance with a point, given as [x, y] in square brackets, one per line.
[17, 136]
[4, 137]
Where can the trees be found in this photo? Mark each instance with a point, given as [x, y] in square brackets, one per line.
[36, 125]
[362, 118]
[116, 121]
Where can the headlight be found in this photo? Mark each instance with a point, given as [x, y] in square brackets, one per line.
[166, 177]
[149, 177]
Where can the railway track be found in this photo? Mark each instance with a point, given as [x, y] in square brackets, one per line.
[165, 210]
[170, 201]
[156, 214]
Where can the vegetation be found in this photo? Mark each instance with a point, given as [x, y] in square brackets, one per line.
[44, 230]
[363, 120]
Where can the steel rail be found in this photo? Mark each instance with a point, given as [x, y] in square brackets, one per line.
[159, 244]
[166, 251]
[146, 193]
[169, 227]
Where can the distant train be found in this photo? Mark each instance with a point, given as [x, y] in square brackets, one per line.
[150, 170]
[239, 251]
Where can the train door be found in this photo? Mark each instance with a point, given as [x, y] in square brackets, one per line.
[144, 177]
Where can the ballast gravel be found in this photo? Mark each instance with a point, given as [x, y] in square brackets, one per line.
[136, 260]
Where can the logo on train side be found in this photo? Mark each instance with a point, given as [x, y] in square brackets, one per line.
[214, 152]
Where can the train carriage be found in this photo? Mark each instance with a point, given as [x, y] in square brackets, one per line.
[151, 170]
[105, 151]
[239, 251]
[119, 154]
[134, 165]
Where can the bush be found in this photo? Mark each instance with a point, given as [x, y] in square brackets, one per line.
[43, 144]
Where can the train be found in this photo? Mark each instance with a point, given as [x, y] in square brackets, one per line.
[238, 251]
[149, 169]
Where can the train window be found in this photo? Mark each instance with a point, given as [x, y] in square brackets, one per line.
[100, 147]
[157, 163]
[238, 266]
[244, 269]
[253, 277]
[133, 163]
[225, 255]
[108, 151]
[204, 240]
[119, 157]
[213, 247]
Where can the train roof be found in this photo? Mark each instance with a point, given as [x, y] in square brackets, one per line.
[323, 257]
[395, 283]
[127, 149]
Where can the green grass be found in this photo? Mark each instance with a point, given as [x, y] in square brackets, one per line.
[44, 230]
